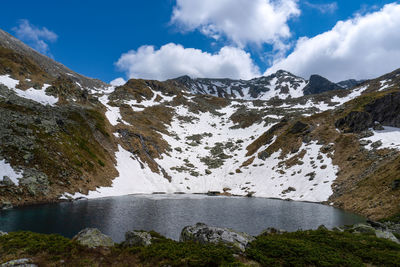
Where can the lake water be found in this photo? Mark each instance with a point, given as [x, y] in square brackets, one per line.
[168, 214]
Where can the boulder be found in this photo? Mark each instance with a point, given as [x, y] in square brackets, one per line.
[92, 237]
[19, 263]
[376, 144]
[137, 238]
[6, 205]
[3, 233]
[203, 234]
[7, 181]
[363, 229]
[272, 231]
[386, 235]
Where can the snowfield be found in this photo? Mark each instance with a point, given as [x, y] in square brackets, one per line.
[185, 163]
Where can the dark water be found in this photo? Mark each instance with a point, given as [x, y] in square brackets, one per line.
[169, 214]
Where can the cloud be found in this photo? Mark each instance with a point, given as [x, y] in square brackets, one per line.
[173, 60]
[365, 46]
[34, 36]
[323, 8]
[118, 81]
[240, 21]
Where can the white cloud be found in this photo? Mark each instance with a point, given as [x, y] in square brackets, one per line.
[323, 8]
[35, 36]
[363, 47]
[240, 21]
[118, 81]
[173, 60]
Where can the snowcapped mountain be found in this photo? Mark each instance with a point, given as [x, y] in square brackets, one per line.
[281, 85]
[65, 135]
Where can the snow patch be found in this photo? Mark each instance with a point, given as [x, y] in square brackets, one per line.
[390, 138]
[7, 170]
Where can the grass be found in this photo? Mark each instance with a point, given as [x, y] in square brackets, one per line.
[323, 248]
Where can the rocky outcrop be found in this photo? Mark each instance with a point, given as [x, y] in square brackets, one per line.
[318, 84]
[382, 111]
[92, 237]
[19, 263]
[380, 230]
[203, 233]
[137, 238]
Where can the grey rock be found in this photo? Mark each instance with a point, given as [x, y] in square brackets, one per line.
[363, 229]
[273, 231]
[92, 237]
[7, 181]
[376, 144]
[364, 142]
[386, 235]
[3, 233]
[6, 205]
[19, 263]
[395, 184]
[203, 234]
[137, 238]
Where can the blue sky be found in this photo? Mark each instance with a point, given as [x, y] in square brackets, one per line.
[90, 37]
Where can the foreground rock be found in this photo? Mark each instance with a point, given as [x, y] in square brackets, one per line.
[92, 237]
[380, 230]
[203, 234]
[19, 263]
[137, 238]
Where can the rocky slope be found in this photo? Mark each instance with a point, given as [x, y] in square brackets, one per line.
[64, 135]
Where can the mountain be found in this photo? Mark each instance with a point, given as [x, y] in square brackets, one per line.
[16, 48]
[281, 84]
[318, 84]
[65, 137]
[347, 84]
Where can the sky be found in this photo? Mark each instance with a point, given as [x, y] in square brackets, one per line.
[240, 39]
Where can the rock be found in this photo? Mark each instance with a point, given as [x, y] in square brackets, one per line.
[92, 237]
[327, 148]
[19, 263]
[6, 205]
[203, 234]
[263, 155]
[363, 229]
[3, 233]
[298, 127]
[208, 171]
[378, 126]
[322, 227]
[273, 231]
[364, 142]
[376, 144]
[7, 181]
[288, 190]
[137, 238]
[36, 182]
[386, 235]
[395, 184]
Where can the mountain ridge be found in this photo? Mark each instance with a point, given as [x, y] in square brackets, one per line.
[63, 138]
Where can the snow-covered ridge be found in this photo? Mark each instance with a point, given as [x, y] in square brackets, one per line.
[281, 85]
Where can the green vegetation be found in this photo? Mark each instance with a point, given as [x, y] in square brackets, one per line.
[324, 248]
[302, 248]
